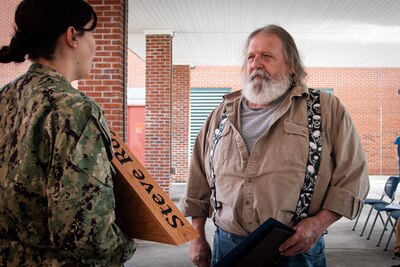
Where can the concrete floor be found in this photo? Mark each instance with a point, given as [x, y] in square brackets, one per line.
[344, 247]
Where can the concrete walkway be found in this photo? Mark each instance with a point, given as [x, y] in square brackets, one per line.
[344, 246]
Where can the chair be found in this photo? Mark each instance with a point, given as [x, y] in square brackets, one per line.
[388, 192]
[381, 208]
[395, 214]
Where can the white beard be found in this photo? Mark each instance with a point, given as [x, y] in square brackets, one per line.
[266, 90]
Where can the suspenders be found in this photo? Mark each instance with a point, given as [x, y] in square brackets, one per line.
[313, 162]
[314, 154]
[217, 136]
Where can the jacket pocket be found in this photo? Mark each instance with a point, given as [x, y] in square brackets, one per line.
[90, 155]
[293, 146]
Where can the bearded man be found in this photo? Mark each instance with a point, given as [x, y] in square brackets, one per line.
[274, 149]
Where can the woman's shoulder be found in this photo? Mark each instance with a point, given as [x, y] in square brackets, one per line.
[60, 98]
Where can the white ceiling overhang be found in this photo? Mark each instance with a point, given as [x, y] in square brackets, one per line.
[328, 33]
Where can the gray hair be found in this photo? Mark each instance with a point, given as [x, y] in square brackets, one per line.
[290, 51]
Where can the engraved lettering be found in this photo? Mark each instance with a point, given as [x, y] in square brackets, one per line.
[174, 221]
[122, 157]
[165, 212]
[158, 199]
[138, 174]
[115, 143]
[147, 186]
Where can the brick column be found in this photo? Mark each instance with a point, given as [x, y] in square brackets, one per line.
[158, 107]
[180, 122]
[107, 80]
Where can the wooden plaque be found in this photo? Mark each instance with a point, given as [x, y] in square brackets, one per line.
[143, 209]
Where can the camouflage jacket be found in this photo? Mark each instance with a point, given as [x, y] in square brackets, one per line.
[57, 201]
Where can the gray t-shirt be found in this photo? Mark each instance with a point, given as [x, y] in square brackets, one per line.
[255, 122]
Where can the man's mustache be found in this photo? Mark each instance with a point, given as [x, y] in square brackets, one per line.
[260, 72]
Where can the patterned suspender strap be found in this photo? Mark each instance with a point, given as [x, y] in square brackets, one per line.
[314, 154]
[217, 136]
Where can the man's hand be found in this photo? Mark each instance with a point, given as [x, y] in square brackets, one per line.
[200, 252]
[308, 231]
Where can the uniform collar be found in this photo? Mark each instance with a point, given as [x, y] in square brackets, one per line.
[46, 70]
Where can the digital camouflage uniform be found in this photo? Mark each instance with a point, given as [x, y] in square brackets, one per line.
[57, 201]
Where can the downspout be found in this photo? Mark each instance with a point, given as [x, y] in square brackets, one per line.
[124, 70]
[381, 122]
[171, 168]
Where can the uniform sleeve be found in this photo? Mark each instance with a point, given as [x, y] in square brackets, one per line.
[196, 200]
[350, 180]
[80, 191]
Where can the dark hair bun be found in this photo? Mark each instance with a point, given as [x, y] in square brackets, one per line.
[16, 51]
[39, 24]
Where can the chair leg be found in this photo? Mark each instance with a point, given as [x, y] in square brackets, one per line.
[383, 231]
[366, 221]
[380, 216]
[358, 217]
[390, 237]
[390, 220]
[373, 225]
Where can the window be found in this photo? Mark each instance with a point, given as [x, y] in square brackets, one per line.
[202, 102]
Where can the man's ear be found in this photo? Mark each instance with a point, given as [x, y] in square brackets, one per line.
[71, 37]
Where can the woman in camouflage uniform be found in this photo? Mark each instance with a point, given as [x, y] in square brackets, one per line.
[57, 201]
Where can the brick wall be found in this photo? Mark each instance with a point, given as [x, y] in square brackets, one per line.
[390, 111]
[106, 82]
[136, 70]
[180, 121]
[158, 108]
[216, 76]
[370, 95]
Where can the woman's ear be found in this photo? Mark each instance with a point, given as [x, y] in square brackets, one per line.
[71, 37]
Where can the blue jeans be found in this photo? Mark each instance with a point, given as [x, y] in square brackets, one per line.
[314, 257]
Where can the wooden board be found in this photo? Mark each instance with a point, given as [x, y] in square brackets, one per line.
[143, 209]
